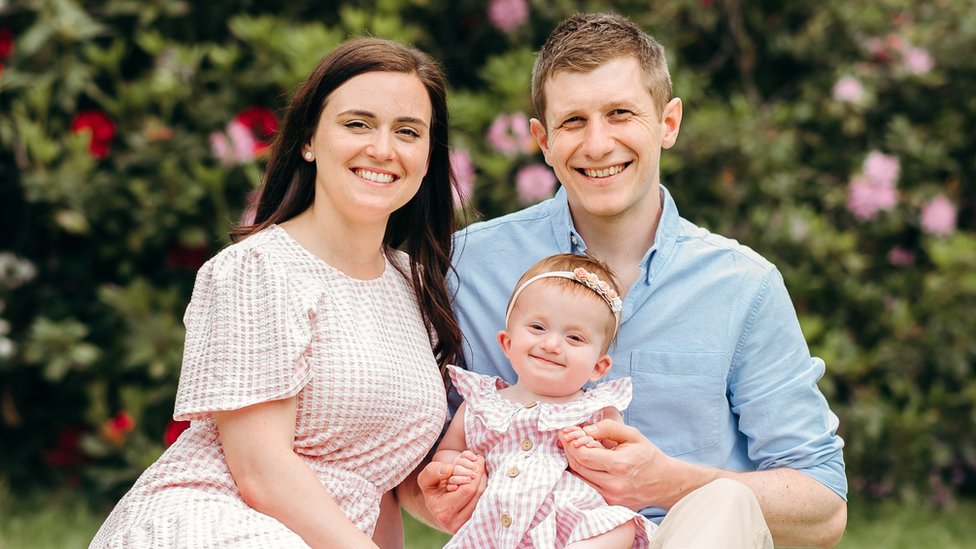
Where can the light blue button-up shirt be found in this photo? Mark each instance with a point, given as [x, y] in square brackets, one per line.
[722, 374]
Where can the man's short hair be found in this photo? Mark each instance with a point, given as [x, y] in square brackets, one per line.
[585, 41]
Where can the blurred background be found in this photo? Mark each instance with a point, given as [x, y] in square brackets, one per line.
[836, 138]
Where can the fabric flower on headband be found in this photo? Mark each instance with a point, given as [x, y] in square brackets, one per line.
[601, 287]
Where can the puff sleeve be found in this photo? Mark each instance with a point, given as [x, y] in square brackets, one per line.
[248, 339]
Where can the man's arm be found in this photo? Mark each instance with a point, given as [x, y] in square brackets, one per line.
[799, 510]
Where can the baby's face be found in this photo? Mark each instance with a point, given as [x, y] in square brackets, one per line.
[556, 338]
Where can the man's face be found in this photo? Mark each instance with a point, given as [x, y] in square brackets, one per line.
[604, 137]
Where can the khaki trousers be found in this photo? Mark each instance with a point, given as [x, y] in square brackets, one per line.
[723, 514]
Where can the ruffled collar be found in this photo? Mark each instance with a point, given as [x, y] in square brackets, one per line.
[497, 412]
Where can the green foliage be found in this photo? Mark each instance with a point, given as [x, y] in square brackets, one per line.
[101, 245]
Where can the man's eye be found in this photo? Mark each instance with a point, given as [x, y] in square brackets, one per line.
[573, 122]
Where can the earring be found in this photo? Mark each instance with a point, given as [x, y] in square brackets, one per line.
[308, 155]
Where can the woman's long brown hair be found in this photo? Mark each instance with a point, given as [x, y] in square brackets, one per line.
[422, 228]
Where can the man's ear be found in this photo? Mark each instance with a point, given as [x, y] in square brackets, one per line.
[601, 367]
[671, 120]
[505, 342]
[541, 137]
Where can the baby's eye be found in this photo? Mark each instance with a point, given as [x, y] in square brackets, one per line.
[576, 339]
[536, 327]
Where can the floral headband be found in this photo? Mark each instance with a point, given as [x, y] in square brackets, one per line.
[584, 277]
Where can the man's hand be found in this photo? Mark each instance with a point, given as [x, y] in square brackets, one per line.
[451, 502]
[626, 468]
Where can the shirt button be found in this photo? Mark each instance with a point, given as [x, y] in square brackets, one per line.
[526, 445]
[513, 472]
[573, 240]
[506, 520]
[532, 405]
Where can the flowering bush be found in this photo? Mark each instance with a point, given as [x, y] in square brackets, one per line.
[835, 138]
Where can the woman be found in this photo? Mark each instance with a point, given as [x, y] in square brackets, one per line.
[308, 371]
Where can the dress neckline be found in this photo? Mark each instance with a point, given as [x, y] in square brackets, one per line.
[290, 241]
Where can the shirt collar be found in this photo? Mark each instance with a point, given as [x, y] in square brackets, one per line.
[569, 240]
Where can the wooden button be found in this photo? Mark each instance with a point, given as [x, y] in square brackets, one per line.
[513, 472]
[506, 520]
[526, 445]
[532, 405]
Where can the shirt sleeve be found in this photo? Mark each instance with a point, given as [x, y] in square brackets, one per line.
[247, 338]
[773, 389]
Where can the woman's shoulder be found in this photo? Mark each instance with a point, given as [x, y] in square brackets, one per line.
[266, 242]
[262, 253]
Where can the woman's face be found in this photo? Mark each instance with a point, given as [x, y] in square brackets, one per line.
[371, 146]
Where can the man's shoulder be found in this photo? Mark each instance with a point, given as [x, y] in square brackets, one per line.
[699, 240]
[531, 216]
[530, 226]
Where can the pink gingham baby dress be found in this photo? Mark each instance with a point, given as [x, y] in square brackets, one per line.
[268, 320]
[532, 500]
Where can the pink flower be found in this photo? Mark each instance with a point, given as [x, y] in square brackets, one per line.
[918, 60]
[849, 90]
[237, 146]
[901, 257]
[507, 15]
[509, 134]
[242, 140]
[464, 175]
[534, 182]
[867, 197]
[939, 216]
[246, 137]
[882, 169]
[251, 209]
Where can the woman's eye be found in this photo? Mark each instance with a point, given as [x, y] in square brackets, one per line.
[409, 132]
[356, 125]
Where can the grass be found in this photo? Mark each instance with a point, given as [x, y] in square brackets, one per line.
[65, 520]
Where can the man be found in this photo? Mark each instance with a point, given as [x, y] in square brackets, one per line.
[728, 433]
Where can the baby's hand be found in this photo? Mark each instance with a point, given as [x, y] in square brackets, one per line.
[577, 438]
[466, 469]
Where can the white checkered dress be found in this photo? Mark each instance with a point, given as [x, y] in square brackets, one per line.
[269, 320]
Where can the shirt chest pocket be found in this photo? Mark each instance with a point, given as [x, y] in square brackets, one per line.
[679, 399]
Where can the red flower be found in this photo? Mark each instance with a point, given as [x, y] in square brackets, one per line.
[6, 45]
[66, 452]
[116, 428]
[262, 123]
[173, 431]
[100, 126]
[182, 257]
